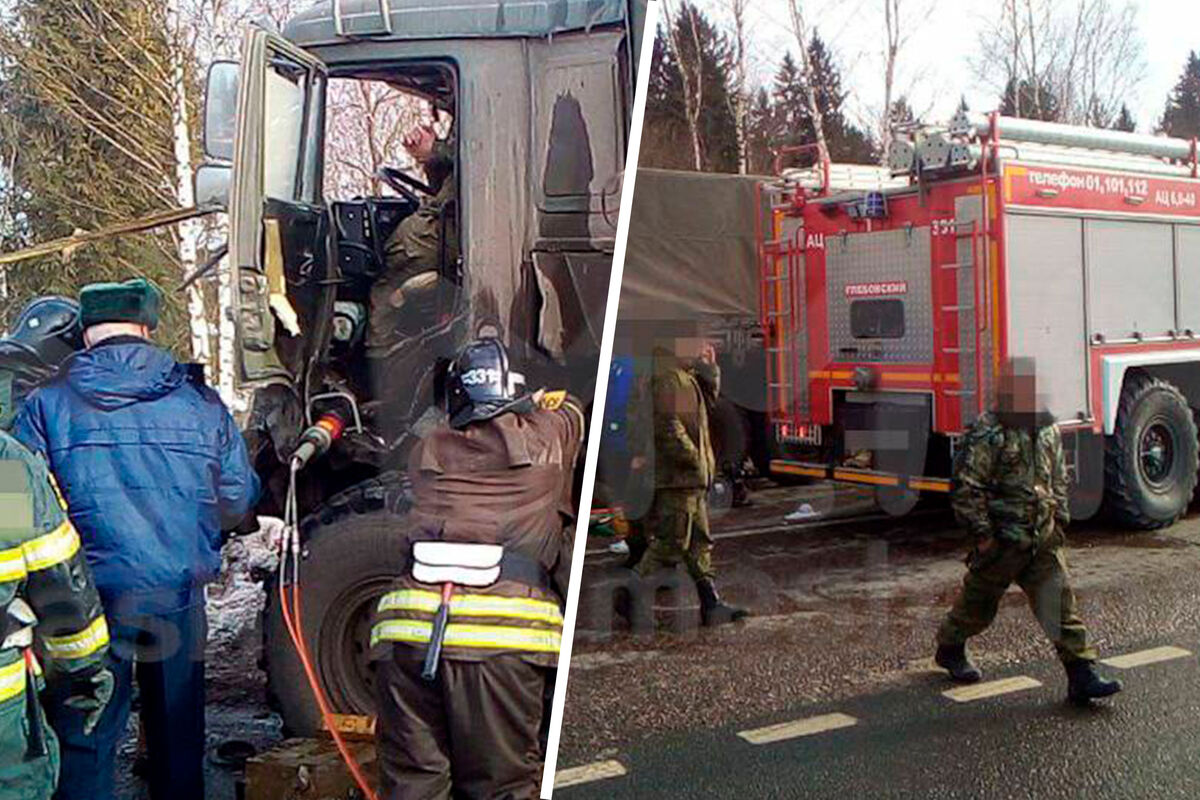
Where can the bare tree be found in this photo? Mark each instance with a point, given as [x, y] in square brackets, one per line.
[1074, 62]
[187, 236]
[739, 94]
[800, 31]
[901, 19]
[367, 123]
[691, 75]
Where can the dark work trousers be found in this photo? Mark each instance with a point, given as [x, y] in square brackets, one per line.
[473, 734]
[164, 647]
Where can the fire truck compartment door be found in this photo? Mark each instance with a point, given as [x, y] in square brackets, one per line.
[1131, 278]
[1046, 307]
[869, 275]
[1187, 258]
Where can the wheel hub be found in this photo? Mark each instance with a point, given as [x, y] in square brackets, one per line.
[345, 658]
[1157, 453]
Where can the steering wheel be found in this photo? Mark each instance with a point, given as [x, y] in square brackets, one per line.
[403, 183]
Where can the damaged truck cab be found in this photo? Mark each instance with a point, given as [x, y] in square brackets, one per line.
[533, 102]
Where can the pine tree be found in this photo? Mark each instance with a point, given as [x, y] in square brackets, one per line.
[1124, 121]
[1024, 99]
[760, 133]
[901, 112]
[1181, 117]
[666, 138]
[86, 141]
[790, 123]
[846, 141]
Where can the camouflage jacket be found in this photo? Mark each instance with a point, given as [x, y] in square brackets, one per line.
[683, 452]
[1007, 489]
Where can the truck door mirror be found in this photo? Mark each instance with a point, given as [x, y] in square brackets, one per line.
[220, 110]
[212, 186]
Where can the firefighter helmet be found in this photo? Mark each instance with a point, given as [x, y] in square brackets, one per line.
[50, 327]
[480, 384]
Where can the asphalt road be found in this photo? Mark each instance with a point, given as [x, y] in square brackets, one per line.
[845, 616]
[917, 743]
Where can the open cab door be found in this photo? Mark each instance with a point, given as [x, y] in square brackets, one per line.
[278, 222]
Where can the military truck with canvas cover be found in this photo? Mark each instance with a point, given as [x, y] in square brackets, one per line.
[691, 269]
[538, 98]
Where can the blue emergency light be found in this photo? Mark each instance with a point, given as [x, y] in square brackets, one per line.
[872, 205]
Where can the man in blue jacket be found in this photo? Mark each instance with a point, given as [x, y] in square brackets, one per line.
[153, 469]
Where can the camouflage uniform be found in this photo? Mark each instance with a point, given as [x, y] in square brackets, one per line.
[1015, 494]
[684, 466]
[411, 251]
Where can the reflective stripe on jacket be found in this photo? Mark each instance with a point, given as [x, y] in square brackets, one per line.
[478, 622]
[504, 481]
[42, 562]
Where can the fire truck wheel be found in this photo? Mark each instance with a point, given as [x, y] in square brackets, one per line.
[1151, 459]
[354, 547]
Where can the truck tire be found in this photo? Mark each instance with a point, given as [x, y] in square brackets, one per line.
[354, 547]
[1151, 459]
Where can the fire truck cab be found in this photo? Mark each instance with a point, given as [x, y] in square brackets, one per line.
[888, 312]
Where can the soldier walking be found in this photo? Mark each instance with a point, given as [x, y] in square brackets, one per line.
[686, 380]
[1011, 494]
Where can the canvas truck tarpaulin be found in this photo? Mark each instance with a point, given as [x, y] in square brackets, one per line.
[692, 253]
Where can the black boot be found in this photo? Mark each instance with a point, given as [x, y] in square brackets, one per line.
[1084, 684]
[954, 659]
[712, 610]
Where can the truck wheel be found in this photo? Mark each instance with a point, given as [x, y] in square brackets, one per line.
[354, 548]
[1151, 459]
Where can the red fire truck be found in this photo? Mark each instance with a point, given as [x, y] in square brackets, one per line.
[887, 313]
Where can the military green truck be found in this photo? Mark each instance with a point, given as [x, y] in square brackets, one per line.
[540, 96]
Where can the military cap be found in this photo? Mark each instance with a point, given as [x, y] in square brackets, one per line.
[136, 301]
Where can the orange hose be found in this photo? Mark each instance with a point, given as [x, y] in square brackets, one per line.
[296, 631]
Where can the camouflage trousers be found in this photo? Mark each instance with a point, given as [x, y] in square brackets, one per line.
[1042, 575]
[677, 527]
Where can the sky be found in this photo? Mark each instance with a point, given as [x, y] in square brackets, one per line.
[936, 62]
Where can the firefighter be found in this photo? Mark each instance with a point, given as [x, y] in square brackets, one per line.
[492, 490]
[47, 593]
[402, 300]
[153, 469]
[1011, 494]
[45, 332]
[686, 380]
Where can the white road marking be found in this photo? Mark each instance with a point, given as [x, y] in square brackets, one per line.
[1143, 657]
[979, 691]
[587, 773]
[798, 728]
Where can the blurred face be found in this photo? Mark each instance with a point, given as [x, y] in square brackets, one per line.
[694, 349]
[1018, 388]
